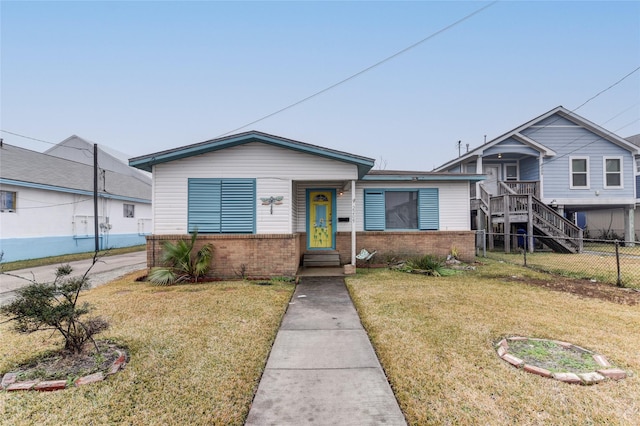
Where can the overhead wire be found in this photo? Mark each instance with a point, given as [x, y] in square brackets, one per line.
[369, 68]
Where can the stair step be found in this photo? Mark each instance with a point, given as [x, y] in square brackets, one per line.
[324, 258]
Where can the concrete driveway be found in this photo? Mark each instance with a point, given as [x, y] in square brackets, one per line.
[107, 269]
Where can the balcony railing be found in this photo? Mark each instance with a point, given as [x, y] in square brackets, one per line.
[520, 187]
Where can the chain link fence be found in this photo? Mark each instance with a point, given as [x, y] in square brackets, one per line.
[608, 261]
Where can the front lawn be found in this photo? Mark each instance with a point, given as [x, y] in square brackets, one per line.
[196, 355]
[435, 339]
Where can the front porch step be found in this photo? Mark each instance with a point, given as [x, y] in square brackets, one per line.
[321, 258]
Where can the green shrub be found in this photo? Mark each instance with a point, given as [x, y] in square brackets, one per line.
[182, 265]
[427, 265]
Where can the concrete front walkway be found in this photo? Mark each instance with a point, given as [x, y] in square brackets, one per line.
[322, 369]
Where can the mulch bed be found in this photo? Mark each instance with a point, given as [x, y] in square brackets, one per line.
[585, 288]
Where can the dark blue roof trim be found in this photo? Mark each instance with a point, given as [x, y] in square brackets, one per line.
[146, 162]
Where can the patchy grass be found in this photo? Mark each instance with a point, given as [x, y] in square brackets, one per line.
[196, 356]
[551, 356]
[435, 338]
[53, 260]
[598, 266]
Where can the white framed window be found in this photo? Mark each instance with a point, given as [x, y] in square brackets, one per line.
[128, 210]
[511, 172]
[579, 173]
[7, 201]
[612, 167]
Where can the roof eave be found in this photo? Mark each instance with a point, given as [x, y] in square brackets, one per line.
[364, 164]
[426, 177]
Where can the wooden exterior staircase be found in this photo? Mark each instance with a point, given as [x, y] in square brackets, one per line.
[518, 203]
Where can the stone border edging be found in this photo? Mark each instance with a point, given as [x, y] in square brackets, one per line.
[9, 383]
[590, 378]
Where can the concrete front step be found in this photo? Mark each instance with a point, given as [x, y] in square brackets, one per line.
[321, 258]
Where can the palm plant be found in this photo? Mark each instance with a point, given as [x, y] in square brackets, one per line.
[181, 263]
[427, 264]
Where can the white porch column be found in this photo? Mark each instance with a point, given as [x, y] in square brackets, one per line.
[479, 164]
[353, 223]
[629, 225]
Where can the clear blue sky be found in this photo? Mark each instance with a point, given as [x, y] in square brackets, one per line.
[141, 77]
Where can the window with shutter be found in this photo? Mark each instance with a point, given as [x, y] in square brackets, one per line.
[221, 206]
[400, 209]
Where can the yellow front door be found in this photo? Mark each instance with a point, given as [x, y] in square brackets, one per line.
[320, 226]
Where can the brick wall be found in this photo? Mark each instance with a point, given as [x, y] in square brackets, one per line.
[263, 255]
[437, 243]
[280, 254]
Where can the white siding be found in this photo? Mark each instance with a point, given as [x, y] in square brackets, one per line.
[453, 203]
[278, 222]
[41, 213]
[453, 198]
[274, 169]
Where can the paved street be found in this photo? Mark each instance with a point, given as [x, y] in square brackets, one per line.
[107, 269]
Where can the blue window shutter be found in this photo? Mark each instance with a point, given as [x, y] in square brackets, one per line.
[373, 210]
[238, 206]
[204, 205]
[429, 209]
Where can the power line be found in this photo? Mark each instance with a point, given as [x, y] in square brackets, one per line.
[608, 88]
[369, 68]
[40, 140]
[27, 137]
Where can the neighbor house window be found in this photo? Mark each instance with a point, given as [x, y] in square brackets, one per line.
[226, 206]
[613, 172]
[511, 171]
[129, 210]
[7, 201]
[390, 209]
[579, 172]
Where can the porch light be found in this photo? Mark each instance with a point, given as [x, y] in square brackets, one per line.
[500, 155]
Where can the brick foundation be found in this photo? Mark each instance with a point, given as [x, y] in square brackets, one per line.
[271, 255]
[266, 255]
[405, 244]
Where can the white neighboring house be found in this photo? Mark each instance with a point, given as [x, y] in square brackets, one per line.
[47, 204]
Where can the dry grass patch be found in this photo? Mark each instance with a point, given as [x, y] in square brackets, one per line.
[196, 355]
[435, 339]
[598, 266]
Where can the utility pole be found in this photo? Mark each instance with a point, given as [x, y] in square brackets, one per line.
[95, 196]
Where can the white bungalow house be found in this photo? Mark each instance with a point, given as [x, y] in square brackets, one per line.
[270, 204]
[540, 174]
[47, 204]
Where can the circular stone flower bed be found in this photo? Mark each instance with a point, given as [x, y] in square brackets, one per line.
[59, 370]
[558, 360]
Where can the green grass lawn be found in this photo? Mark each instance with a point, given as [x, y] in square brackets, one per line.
[435, 339]
[197, 353]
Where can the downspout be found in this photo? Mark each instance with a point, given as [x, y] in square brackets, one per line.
[353, 223]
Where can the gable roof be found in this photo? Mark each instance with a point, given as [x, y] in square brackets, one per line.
[146, 162]
[23, 167]
[547, 152]
[635, 139]
[80, 150]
